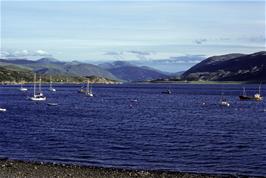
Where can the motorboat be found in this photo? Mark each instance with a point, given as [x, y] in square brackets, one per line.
[256, 97]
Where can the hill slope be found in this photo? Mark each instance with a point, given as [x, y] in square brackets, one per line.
[51, 66]
[129, 72]
[230, 67]
[14, 74]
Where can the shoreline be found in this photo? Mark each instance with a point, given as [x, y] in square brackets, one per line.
[29, 169]
[144, 82]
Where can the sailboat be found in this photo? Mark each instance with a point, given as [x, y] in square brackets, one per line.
[256, 97]
[22, 88]
[244, 95]
[223, 101]
[51, 87]
[88, 91]
[38, 96]
[167, 92]
[2, 110]
[82, 89]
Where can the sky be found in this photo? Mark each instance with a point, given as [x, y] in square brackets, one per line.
[96, 31]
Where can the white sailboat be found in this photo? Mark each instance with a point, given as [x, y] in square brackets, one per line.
[38, 96]
[22, 88]
[51, 87]
[2, 110]
[223, 101]
[88, 91]
[257, 96]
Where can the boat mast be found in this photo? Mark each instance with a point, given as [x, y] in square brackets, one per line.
[34, 85]
[50, 81]
[259, 88]
[244, 91]
[40, 85]
[88, 87]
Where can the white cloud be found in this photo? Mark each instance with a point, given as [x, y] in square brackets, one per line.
[41, 52]
[24, 53]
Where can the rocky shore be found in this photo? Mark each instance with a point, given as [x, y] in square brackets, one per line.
[22, 169]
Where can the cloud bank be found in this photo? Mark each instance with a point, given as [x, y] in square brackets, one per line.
[24, 53]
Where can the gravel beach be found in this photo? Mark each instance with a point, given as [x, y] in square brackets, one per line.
[22, 169]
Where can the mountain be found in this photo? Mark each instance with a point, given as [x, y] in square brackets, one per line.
[172, 64]
[51, 66]
[129, 72]
[230, 67]
[13, 74]
[115, 64]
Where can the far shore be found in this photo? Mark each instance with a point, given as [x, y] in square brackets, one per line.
[145, 82]
[21, 169]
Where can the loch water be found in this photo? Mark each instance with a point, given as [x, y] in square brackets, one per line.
[135, 126]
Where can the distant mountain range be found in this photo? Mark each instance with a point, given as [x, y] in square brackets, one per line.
[12, 73]
[129, 72]
[15, 74]
[51, 66]
[117, 70]
[230, 67]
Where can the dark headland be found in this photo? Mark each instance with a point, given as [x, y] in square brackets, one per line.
[23, 169]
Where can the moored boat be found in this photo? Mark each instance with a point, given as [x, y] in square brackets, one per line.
[37, 96]
[51, 87]
[88, 91]
[167, 92]
[2, 110]
[22, 88]
[52, 104]
[223, 101]
[256, 97]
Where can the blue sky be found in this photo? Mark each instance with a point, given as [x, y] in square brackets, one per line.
[131, 30]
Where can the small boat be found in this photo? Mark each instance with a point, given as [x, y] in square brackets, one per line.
[37, 96]
[52, 104]
[167, 92]
[51, 87]
[256, 97]
[22, 88]
[244, 95]
[88, 91]
[82, 90]
[223, 101]
[2, 110]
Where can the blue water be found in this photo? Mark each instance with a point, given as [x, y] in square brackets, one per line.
[136, 127]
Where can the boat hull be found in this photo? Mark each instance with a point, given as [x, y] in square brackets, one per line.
[23, 89]
[38, 98]
[246, 97]
[224, 103]
[2, 110]
[52, 89]
[250, 98]
[89, 94]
